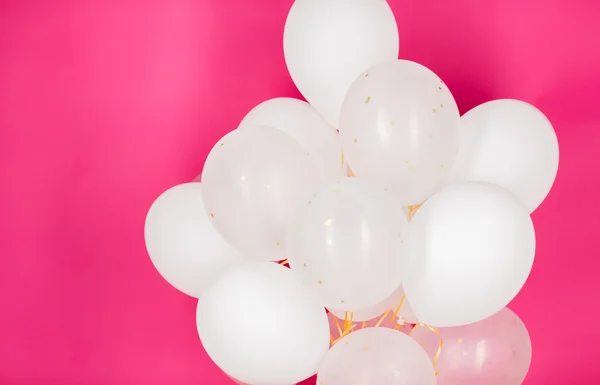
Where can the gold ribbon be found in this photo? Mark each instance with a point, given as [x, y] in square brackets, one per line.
[412, 210]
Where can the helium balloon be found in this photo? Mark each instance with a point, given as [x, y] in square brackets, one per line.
[302, 122]
[379, 356]
[349, 243]
[397, 298]
[512, 144]
[253, 181]
[399, 127]
[262, 326]
[182, 243]
[328, 43]
[494, 351]
[472, 249]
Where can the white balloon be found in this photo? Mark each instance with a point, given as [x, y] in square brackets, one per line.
[328, 43]
[472, 249]
[253, 181]
[405, 312]
[302, 122]
[378, 355]
[262, 326]
[512, 144]
[349, 243]
[183, 245]
[399, 127]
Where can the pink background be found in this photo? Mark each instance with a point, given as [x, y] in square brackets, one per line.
[105, 104]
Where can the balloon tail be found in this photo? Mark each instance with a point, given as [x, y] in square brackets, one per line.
[439, 351]
[383, 317]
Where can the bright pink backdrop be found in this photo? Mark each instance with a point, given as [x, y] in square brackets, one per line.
[105, 104]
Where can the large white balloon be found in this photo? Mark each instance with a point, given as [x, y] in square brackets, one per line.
[399, 128]
[328, 43]
[262, 326]
[381, 356]
[512, 144]
[472, 249]
[182, 243]
[302, 122]
[349, 243]
[253, 181]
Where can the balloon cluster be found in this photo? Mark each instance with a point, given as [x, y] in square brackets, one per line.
[389, 208]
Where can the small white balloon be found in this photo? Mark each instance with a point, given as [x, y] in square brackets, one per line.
[349, 242]
[381, 356]
[182, 243]
[397, 298]
[302, 122]
[328, 43]
[472, 249]
[512, 144]
[253, 181]
[399, 128]
[262, 326]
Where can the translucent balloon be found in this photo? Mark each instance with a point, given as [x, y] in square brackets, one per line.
[302, 122]
[472, 248]
[378, 356]
[399, 128]
[397, 298]
[253, 181]
[262, 326]
[328, 43]
[495, 351]
[512, 144]
[182, 243]
[348, 242]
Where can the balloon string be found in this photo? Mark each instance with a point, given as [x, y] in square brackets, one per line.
[383, 317]
[348, 317]
[347, 327]
[337, 325]
[397, 310]
[344, 334]
[439, 351]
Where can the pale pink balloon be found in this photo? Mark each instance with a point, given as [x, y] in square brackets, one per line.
[388, 322]
[495, 351]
